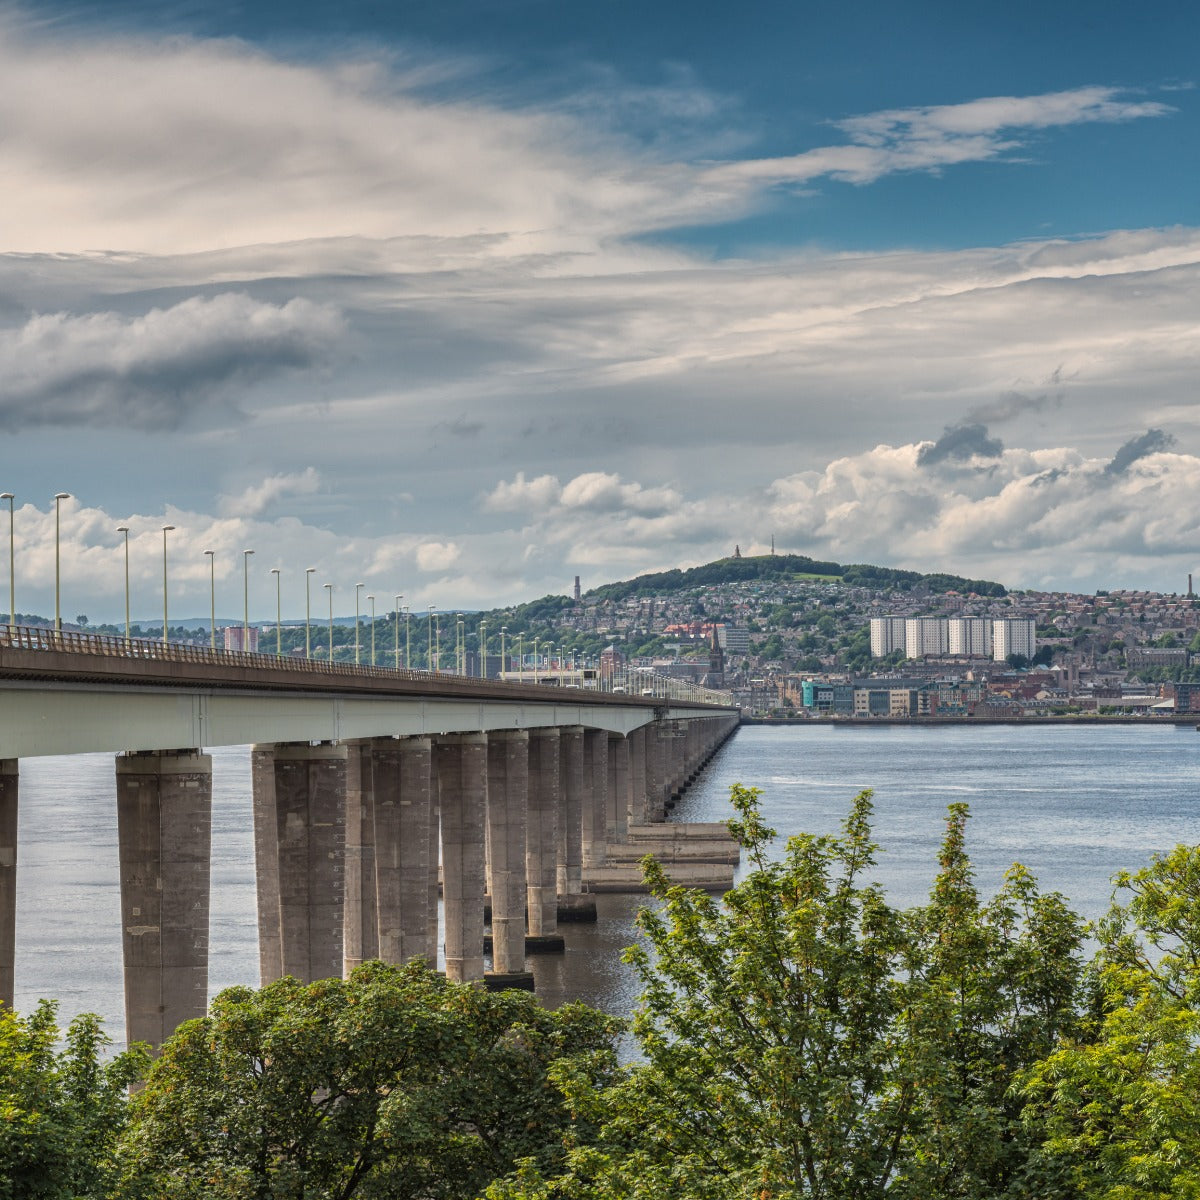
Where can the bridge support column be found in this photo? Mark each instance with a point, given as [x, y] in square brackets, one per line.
[461, 764]
[571, 802]
[541, 838]
[656, 746]
[507, 798]
[405, 838]
[9, 781]
[617, 819]
[164, 834]
[638, 813]
[300, 821]
[595, 812]
[360, 938]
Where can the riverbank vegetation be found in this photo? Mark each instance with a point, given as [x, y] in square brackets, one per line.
[800, 1037]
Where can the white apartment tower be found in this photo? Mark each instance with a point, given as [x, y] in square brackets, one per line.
[887, 634]
[925, 637]
[969, 637]
[1013, 635]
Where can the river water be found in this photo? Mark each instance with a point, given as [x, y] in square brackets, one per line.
[1073, 804]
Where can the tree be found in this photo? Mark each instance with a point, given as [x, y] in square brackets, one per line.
[393, 1083]
[61, 1107]
[1121, 1105]
[805, 1039]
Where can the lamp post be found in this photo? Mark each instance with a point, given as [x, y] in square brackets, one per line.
[166, 529]
[396, 634]
[278, 613]
[459, 646]
[429, 639]
[437, 641]
[535, 660]
[308, 574]
[59, 497]
[12, 562]
[503, 662]
[329, 589]
[246, 600]
[358, 587]
[407, 639]
[125, 530]
[521, 654]
[212, 599]
[482, 649]
[372, 600]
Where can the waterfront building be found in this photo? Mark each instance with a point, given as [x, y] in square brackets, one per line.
[1013, 635]
[969, 637]
[887, 635]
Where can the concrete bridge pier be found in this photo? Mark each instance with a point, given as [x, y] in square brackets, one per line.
[405, 849]
[360, 922]
[569, 876]
[460, 763]
[638, 791]
[9, 781]
[507, 796]
[617, 812]
[164, 834]
[656, 754]
[300, 828]
[541, 837]
[595, 812]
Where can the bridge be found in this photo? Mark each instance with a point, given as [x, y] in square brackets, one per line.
[374, 790]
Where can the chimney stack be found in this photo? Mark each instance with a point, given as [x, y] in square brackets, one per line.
[577, 587]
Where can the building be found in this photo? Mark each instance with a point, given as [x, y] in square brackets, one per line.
[887, 635]
[238, 637]
[1013, 635]
[926, 636]
[969, 637]
[734, 639]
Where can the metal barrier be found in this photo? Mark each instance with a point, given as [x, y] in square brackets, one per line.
[638, 683]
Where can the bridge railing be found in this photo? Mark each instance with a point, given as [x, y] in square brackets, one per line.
[635, 682]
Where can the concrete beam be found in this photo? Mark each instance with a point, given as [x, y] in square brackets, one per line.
[569, 877]
[460, 763]
[541, 846]
[507, 798]
[360, 924]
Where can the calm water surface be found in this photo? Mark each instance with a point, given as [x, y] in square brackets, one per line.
[1073, 805]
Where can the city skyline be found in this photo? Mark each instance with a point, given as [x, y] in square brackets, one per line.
[466, 303]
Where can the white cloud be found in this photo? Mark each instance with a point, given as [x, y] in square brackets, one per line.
[437, 556]
[257, 498]
[150, 372]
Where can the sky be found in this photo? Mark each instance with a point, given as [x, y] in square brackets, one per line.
[460, 301]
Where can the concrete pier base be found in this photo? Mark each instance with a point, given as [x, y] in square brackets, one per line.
[360, 936]
[164, 834]
[595, 797]
[9, 781]
[617, 815]
[521, 980]
[306, 787]
[572, 788]
[405, 845]
[460, 764]
[507, 792]
[541, 837]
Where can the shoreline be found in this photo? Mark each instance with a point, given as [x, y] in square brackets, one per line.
[1184, 719]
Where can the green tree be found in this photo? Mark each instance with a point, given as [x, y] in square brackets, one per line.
[805, 1039]
[393, 1083]
[1121, 1106]
[62, 1107]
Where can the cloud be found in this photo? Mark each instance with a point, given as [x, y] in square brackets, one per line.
[960, 443]
[150, 373]
[437, 556]
[257, 498]
[1153, 441]
[933, 137]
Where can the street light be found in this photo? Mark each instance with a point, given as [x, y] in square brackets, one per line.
[372, 600]
[407, 640]
[212, 599]
[308, 574]
[59, 497]
[521, 655]
[166, 529]
[358, 587]
[482, 649]
[396, 634]
[503, 663]
[459, 644]
[278, 613]
[246, 600]
[125, 530]
[329, 588]
[429, 638]
[12, 562]
[437, 640]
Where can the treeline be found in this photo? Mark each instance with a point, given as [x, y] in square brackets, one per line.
[770, 567]
[801, 1037]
